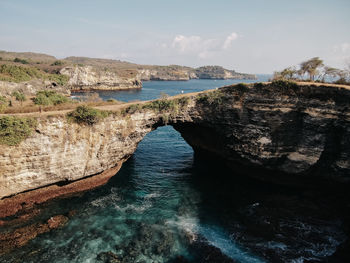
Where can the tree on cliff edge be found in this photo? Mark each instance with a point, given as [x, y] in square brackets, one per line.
[310, 66]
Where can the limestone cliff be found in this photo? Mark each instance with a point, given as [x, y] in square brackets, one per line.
[299, 131]
[90, 78]
[166, 75]
[175, 72]
[217, 72]
[284, 134]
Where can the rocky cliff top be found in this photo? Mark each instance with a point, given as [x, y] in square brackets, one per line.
[291, 131]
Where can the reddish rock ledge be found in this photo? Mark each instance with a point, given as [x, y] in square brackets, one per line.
[23, 207]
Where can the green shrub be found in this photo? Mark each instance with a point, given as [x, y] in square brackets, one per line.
[19, 60]
[19, 96]
[161, 105]
[87, 115]
[258, 85]
[284, 84]
[211, 98]
[242, 87]
[15, 73]
[49, 97]
[3, 104]
[183, 101]
[13, 129]
[132, 109]
[18, 73]
[58, 63]
[342, 81]
[58, 78]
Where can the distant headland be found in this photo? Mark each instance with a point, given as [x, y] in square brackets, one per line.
[31, 72]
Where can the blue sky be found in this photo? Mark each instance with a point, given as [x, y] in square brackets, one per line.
[250, 36]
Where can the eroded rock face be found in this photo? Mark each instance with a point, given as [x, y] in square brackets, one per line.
[89, 78]
[60, 151]
[291, 133]
[295, 131]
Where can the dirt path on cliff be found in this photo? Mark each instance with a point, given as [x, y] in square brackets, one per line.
[117, 107]
[318, 84]
[112, 107]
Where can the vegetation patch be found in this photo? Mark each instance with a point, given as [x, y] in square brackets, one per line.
[49, 97]
[132, 109]
[58, 63]
[243, 87]
[3, 104]
[15, 73]
[13, 129]
[211, 98]
[259, 85]
[19, 96]
[284, 84]
[58, 78]
[315, 70]
[183, 101]
[87, 115]
[19, 60]
[161, 105]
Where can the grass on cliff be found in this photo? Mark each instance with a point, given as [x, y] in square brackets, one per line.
[284, 84]
[13, 129]
[211, 98]
[16, 73]
[49, 97]
[3, 104]
[87, 115]
[159, 106]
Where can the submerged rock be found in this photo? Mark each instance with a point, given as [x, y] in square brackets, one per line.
[108, 257]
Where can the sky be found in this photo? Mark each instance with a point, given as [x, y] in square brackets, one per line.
[254, 36]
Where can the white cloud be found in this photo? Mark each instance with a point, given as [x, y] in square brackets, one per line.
[201, 47]
[193, 44]
[184, 43]
[230, 38]
[344, 48]
[205, 54]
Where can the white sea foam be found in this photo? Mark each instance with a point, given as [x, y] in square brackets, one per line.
[152, 195]
[216, 237]
[105, 201]
[187, 224]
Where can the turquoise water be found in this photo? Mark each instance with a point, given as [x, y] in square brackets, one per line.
[153, 89]
[168, 205]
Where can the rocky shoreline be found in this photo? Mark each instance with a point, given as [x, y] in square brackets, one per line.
[18, 212]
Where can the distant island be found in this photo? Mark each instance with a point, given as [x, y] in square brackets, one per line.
[31, 72]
